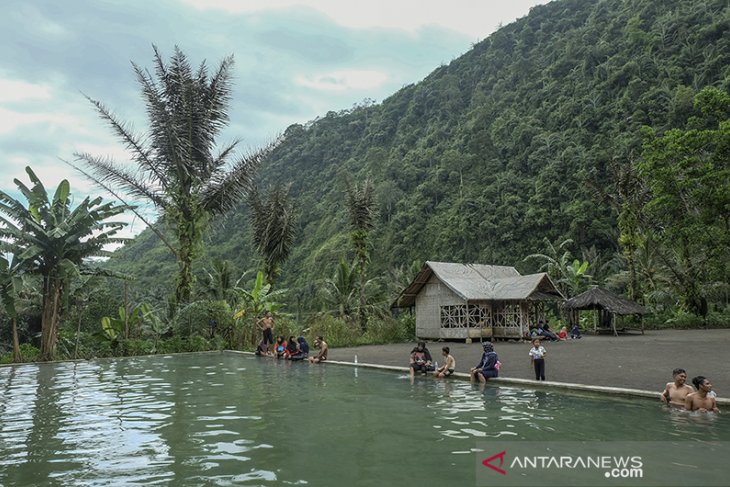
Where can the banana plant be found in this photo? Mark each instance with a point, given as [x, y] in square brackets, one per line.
[10, 283]
[254, 303]
[576, 276]
[112, 328]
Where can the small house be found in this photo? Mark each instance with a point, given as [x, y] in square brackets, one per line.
[466, 301]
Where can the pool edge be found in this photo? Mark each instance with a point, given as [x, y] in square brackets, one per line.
[619, 391]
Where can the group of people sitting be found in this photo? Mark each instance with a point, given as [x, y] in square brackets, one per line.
[421, 361]
[543, 332]
[295, 348]
[680, 394]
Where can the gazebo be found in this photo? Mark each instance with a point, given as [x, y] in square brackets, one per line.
[607, 304]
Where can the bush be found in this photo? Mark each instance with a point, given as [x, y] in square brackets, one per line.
[28, 353]
[681, 319]
[335, 331]
[195, 319]
[135, 346]
[194, 343]
[389, 330]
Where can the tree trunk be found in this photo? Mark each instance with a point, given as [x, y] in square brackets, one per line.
[184, 289]
[363, 300]
[50, 317]
[17, 358]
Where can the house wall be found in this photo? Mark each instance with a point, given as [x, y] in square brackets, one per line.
[429, 300]
[510, 319]
[432, 304]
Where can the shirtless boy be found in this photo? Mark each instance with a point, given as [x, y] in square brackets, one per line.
[700, 400]
[675, 392]
[266, 324]
[322, 355]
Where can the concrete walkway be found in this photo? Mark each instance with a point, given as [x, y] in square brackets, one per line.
[642, 362]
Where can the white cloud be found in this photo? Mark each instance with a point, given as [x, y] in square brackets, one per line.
[13, 91]
[344, 80]
[475, 18]
[11, 120]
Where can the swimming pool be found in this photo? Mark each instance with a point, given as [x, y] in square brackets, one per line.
[234, 419]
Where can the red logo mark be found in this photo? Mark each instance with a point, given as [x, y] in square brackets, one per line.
[487, 462]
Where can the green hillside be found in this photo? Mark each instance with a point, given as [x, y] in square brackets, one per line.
[518, 140]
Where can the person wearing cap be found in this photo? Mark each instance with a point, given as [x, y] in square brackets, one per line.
[487, 366]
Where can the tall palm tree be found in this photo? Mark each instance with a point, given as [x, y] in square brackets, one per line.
[52, 240]
[362, 212]
[274, 220]
[176, 167]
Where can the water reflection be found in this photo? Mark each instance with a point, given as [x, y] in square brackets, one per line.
[228, 419]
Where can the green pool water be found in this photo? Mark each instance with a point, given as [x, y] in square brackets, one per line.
[234, 419]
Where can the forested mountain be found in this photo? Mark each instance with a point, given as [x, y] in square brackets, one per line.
[518, 140]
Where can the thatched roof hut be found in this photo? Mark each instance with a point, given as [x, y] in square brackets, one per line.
[464, 301]
[607, 304]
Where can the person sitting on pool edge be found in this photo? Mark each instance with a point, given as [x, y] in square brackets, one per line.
[487, 366]
[292, 347]
[280, 346]
[420, 359]
[700, 400]
[449, 364]
[322, 355]
[303, 349]
[675, 392]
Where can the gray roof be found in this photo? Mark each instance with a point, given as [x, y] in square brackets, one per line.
[479, 282]
[599, 298]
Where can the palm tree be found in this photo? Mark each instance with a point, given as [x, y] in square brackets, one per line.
[177, 170]
[217, 283]
[555, 261]
[273, 222]
[340, 291]
[362, 212]
[50, 239]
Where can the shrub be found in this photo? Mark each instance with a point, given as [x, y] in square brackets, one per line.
[28, 353]
[135, 346]
[389, 330]
[196, 318]
[336, 331]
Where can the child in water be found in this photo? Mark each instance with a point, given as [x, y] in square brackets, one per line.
[537, 357]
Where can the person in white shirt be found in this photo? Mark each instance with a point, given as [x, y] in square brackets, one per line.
[537, 357]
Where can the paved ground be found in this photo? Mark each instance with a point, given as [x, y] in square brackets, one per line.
[629, 361]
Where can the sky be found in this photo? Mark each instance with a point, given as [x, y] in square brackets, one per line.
[295, 60]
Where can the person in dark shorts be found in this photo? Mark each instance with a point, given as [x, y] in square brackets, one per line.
[537, 357]
[449, 364]
[323, 349]
[420, 359]
[267, 326]
[487, 366]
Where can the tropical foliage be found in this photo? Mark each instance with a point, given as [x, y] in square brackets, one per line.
[52, 240]
[178, 169]
[362, 213]
[589, 140]
[274, 225]
[534, 133]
